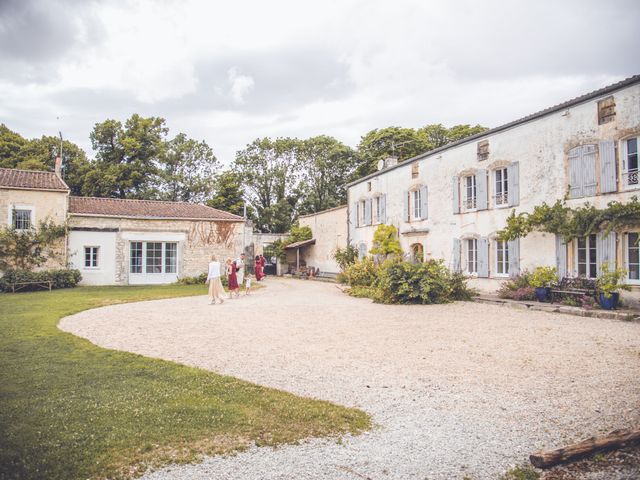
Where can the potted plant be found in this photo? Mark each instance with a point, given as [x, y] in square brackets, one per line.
[541, 279]
[609, 283]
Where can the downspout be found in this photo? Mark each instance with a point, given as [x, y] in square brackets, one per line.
[348, 217]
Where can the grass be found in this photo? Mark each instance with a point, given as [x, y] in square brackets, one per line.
[526, 472]
[71, 410]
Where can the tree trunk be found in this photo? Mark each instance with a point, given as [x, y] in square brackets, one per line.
[613, 440]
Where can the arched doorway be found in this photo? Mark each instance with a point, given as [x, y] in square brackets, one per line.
[417, 252]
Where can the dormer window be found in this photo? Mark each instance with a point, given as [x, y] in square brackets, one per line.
[606, 110]
[415, 170]
[483, 150]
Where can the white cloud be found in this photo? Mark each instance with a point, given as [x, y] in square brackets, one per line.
[241, 85]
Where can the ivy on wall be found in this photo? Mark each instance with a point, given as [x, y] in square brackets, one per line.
[570, 222]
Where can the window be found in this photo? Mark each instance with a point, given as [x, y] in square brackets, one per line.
[582, 171]
[91, 257]
[378, 211]
[417, 203]
[153, 257]
[502, 257]
[606, 110]
[470, 192]
[633, 256]
[501, 187]
[631, 161]
[483, 150]
[417, 253]
[472, 255]
[415, 170]
[21, 219]
[587, 264]
[362, 205]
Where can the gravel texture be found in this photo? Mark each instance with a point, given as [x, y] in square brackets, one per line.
[458, 390]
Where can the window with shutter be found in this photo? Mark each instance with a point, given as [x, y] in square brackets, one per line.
[417, 203]
[632, 257]
[582, 171]
[470, 192]
[630, 163]
[501, 187]
[471, 251]
[586, 256]
[502, 258]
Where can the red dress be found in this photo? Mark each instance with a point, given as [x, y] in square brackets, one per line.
[233, 279]
[259, 272]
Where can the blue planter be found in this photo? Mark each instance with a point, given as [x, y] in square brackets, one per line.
[610, 303]
[543, 294]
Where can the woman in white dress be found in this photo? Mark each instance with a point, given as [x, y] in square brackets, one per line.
[216, 291]
[240, 272]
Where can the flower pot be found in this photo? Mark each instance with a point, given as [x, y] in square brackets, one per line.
[543, 294]
[609, 303]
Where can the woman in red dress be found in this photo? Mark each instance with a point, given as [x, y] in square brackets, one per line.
[263, 261]
[258, 267]
[232, 278]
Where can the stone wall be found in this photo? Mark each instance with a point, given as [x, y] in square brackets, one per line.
[329, 229]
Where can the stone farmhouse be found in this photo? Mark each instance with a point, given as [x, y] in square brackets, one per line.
[450, 202]
[115, 242]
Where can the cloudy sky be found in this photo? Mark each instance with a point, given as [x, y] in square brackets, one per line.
[230, 72]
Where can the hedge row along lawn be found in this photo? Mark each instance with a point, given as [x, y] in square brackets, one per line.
[71, 410]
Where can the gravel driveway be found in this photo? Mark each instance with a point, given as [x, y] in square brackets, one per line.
[456, 390]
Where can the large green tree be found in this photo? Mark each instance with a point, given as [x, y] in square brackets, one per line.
[228, 193]
[379, 144]
[325, 167]
[269, 171]
[187, 170]
[40, 153]
[436, 135]
[127, 158]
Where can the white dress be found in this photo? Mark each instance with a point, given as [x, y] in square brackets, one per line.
[240, 272]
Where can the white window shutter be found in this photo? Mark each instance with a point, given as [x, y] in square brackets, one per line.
[405, 212]
[561, 257]
[455, 255]
[355, 218]
[481, 190]
[514, 257]
[367, 212]
[383, 209]
[606, 250]
[608, 174]
[483, 257]
[589, 170]
[424, 204]
[575, 173]
[513, 184]
[456, 194]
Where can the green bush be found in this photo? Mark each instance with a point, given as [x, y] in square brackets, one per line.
[345, 256]
[61, 278]
[543, 277]
[363, 273]
[201, 280]
[518, 288]
[423, 283]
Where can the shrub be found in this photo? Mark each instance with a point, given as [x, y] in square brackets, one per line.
[345, 256]
[385, 241]
[61, 278]
[423, 283]
[363, 273]
[518, 288]
[200, 279]
[543, 277]
[611, 281]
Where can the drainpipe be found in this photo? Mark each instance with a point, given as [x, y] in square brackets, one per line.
[348, 218]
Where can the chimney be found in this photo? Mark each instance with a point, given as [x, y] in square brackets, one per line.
[58, 168]
[390, 161]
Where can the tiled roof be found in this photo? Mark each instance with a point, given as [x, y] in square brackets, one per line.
[115, 207]
[303, 243]
[31, 179]
[556, 108]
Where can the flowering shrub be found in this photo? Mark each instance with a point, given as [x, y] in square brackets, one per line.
[518, 288]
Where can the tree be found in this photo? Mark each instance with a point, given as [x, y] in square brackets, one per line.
[127, 158]
[325, 165]
[24, 250]
[269, 174]
[385, 241]
[40, 154]
[436, 135]
[187, 170]
[228, 193]
[376, 145]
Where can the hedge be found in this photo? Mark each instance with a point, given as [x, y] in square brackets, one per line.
[61, 278]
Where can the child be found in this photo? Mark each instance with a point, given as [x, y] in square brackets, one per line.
[247, 284]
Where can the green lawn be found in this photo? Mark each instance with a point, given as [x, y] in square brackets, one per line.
[71, 410]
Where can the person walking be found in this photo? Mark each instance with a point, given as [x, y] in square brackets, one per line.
[247, 284]
[213, 278]
[241, 269]
[232, 278]
[258, 268]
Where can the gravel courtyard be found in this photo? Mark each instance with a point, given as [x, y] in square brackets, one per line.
[459, 390]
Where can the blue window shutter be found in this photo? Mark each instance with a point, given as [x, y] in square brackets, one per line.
[455, 255]
[561, 257]
[606, 250]
[383, 209]
[589, 170]
[575, 173]
[608, 175]
[367, 212]
[354, 215]
[483, 257]
[513, 247]
[424, 203]
[456, 194]
[513, 184]
[481, 190]
[405, 212]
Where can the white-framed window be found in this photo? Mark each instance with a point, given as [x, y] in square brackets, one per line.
[501, 187]
[153, 257]
[586, 253]
[21, 218]
[91, 257]
[630, 162]
[502, 258]
[471, 250]
[470, 192]
[632, 257]
[416, 198]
